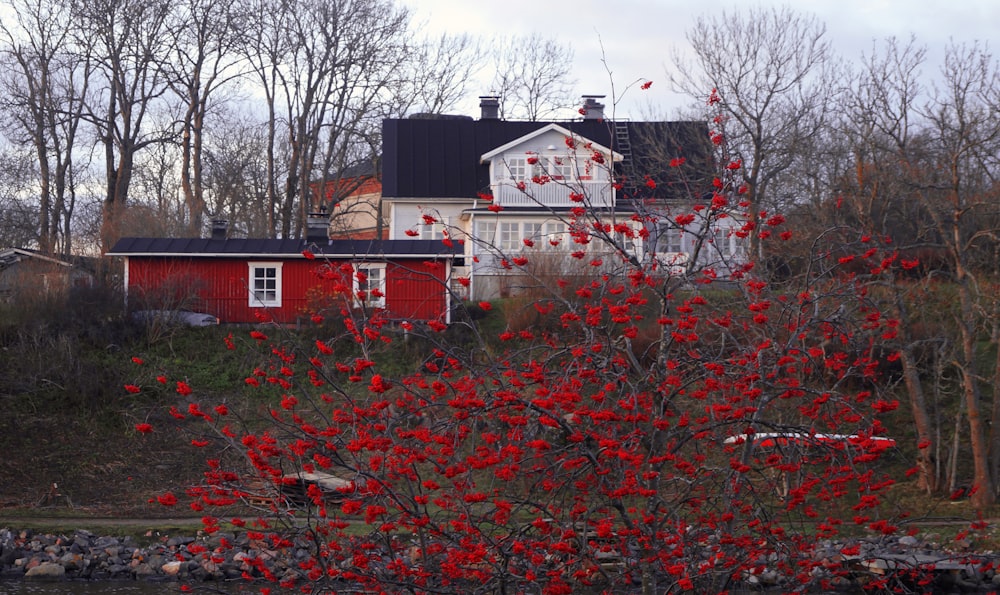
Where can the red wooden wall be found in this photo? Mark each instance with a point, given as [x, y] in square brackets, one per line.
[415, 289]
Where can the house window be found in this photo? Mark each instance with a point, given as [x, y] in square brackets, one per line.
[369, 285]
[516, 169]
[265, 284]
[486, 232]
[727, 243]
[510, 236]
[533, 232]
[555, 234]
[671, 240]
[630, 243]
[433, 231]
[540, 168]
[562, 168]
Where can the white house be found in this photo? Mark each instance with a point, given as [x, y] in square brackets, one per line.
[513, 190]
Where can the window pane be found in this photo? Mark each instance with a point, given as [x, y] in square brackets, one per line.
[486, 231]
[509, 236]
[555, 234]
[264, 286]
[517, 169]
[533, 232]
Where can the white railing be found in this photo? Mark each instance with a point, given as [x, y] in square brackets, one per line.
[553, 194]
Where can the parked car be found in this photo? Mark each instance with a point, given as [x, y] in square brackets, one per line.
[175, 317]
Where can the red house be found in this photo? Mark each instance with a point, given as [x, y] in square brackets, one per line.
[254, 280]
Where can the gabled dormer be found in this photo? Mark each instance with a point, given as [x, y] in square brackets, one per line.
[551, 167]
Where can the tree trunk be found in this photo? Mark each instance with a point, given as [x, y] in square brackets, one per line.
[927, 480]
[984, 496]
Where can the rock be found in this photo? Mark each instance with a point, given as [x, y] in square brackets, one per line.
[909, 541]
[46, 570]
[172, 568]
[71, 561]
[179, 541]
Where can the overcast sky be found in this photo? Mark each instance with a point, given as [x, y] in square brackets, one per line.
[638, 36]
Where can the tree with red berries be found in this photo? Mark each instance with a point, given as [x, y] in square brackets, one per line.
[647, 419]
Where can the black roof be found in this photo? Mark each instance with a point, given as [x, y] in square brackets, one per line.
[204, 247]
[440, 158]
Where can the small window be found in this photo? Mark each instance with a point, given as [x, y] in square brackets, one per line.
[670, 240]
[265, 284]
[631, 243]
[510, 236]
[555, 235]
[369, 285]
[562, 168]
[516, 169]
[433, 231]
[486, 232]
[533, 232]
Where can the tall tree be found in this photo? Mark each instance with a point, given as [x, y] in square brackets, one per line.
[236, 176]
[18, 214]
[956, 183]
[331, 70]
[767, 68]
[45, 81]
[533, 76]
[204, 37]
[129, 45]
[442, 69]
[881, 120]
[923, 186]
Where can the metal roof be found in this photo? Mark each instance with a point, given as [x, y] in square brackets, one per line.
[254, 248]
[440, 157]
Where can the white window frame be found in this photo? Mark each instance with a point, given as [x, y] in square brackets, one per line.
[631, 245]
[555, 231]
[433, 231]
[370, 300]
[532, 230]
[486, 233]
[670, 240]
[563, 168]
[515, 168]
[258, 284]
[509, 236]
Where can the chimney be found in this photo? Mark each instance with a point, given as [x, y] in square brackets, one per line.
[592, 109]
[489, 106]
[220, 229]
[318, 226]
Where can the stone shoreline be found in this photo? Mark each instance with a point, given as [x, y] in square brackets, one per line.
[220, 556]
[226, 556]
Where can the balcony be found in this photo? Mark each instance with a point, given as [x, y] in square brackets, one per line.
[597, 194]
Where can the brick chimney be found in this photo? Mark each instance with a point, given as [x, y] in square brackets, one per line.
[489, 106]
[593, 109]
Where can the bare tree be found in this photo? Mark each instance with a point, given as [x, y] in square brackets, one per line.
[924, 178]
[18, 214]
[45, 81]
[768, 71]
[441, 71]
[265, 50]
[129, 45]
[533, 76]
[330, 70]
[958, 187]
[205, 37]
[878, 122]
[236, 175]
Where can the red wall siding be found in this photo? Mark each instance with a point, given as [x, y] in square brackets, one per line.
[415, 290]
